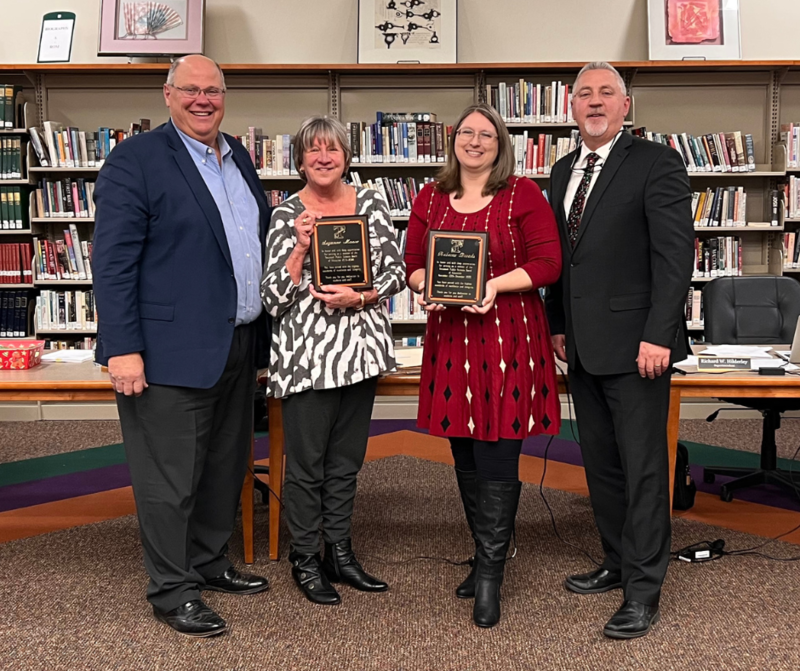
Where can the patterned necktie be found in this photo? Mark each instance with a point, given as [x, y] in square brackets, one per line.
[576, 209]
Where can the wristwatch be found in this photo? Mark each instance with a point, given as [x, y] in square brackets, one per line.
[363, 302]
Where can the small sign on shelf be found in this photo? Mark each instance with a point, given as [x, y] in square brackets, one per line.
[55, 40]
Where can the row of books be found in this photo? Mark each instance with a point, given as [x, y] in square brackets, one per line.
[400, 138]
[694, 308]
[64, 198]
[14, 320]
[718, 257]
[11, 157]
[70, 147]
[10, 103]
[276, 197]
[712, 152]
[66, 258]
[723, 206]
[65, 310]
[404, 307]
[527, 102]
[86, 343]
[13, 208]
[790, 136]
[791, 246]
[410, 341]
[270, 156]
[399, 192]
[791, 197]
[539, 155]
[15, 263]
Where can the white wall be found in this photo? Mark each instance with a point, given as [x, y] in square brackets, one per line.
[324, 31]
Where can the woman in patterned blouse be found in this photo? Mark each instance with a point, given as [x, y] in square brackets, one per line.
[488, 374]
[328, 349]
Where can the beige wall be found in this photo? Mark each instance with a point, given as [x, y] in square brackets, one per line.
[324, 31]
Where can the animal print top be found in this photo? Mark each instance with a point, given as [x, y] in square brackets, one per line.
[316, 347]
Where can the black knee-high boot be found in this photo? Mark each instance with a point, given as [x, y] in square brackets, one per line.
[494, 524]
[468, 487]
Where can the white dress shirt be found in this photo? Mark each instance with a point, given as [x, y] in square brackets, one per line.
[577, 172]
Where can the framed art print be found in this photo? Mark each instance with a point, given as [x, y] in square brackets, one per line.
[694, 29]
[142, 28]
[397, 31]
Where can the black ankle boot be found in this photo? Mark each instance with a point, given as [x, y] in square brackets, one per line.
[494, 523]
[468, 487]
[340, 565]
[312, 581]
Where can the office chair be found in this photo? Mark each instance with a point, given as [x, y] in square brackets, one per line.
[754, 311]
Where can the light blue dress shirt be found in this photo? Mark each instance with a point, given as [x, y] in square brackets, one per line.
[239, 211]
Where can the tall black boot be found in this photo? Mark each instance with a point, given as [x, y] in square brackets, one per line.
[494, 523]
[468, 487]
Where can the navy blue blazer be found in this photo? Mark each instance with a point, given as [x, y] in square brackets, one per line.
[163, 275]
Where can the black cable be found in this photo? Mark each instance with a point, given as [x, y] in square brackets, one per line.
[544, 473]
[271, 491]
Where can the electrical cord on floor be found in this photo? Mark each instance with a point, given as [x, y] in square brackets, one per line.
[704, 551]
[544, 473]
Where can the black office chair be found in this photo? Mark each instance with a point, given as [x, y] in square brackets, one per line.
[754, 311]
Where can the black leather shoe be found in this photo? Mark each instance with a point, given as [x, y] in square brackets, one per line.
[632, 620]
[193, 618]
[234, 582]
[595, 582]
[340, 565]
[312, 581]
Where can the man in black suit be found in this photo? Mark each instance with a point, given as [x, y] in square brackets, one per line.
[616, 315]
[178, 254]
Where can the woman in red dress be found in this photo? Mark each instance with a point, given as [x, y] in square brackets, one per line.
[488, 374]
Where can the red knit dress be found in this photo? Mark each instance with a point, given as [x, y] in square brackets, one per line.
[491, 376]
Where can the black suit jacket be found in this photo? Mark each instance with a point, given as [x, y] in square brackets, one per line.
[627, 278]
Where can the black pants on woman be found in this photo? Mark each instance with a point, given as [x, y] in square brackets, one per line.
[493, 461]
[326, 434]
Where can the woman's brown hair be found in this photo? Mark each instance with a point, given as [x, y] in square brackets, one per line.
[449, 177]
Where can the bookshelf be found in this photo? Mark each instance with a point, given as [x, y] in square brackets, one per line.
[670, 96]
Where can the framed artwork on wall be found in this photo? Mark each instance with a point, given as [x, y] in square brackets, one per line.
[694, 29]
[142, 28]
[417, 31]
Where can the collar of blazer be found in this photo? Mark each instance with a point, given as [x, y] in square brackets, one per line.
[203, 196]
[619, 152]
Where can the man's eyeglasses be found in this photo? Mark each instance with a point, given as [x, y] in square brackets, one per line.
[212, 93]
[467, 134]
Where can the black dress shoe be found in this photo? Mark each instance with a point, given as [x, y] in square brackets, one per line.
[340, 565]
[632, 620]
[234, 582]
[312, 581]
[601, 580]
[193, 618]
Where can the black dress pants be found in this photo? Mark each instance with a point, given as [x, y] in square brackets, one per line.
[187, 451]
[326, 433]
[622, 425]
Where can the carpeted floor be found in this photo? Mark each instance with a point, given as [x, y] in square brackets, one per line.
[74, 599]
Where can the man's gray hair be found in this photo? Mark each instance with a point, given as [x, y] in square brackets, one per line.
[174, 67]
[325, 129]
[601, 65]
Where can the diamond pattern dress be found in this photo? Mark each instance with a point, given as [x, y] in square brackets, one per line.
[491, 376]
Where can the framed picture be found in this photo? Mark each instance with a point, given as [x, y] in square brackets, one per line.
[397, 31]
[141, 28]
[694, 29]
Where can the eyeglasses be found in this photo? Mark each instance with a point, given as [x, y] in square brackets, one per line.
[212, 93]
[467, 134]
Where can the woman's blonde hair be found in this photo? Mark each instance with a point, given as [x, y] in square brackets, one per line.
[449, 177]
[325, 129]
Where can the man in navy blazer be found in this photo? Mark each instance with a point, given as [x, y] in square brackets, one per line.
[181, 221]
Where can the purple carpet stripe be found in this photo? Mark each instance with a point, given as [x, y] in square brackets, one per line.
[63, 487]
[378, 427]
[767, 495]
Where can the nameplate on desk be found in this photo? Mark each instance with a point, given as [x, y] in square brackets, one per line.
[716, 364]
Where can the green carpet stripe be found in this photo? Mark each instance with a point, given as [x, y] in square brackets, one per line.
[26, 470]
